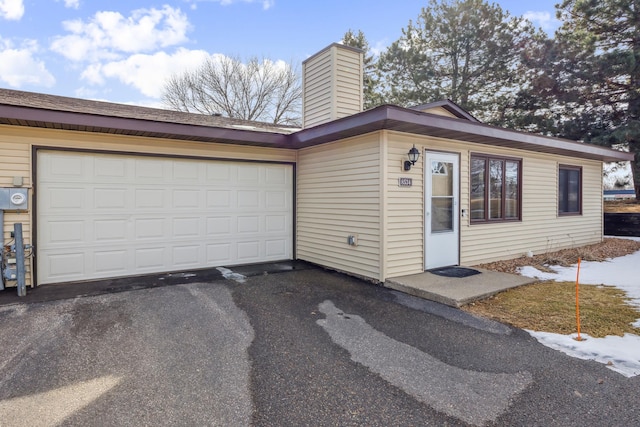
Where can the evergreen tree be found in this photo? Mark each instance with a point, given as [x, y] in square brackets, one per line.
[464, 50]
[600, 73]
[585, 82]
[372, 96]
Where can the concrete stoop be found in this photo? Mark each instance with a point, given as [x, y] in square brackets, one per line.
[455, 291]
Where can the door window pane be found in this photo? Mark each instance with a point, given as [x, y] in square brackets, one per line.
[441, 179]
[441, 214]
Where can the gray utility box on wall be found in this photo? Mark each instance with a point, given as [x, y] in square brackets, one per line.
[14, 199]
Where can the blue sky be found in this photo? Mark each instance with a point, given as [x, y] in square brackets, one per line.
[122, 51]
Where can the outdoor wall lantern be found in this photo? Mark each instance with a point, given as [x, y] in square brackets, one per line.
[413, 154]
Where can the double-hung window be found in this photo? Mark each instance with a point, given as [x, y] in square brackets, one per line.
[496, 187]
[569, 190]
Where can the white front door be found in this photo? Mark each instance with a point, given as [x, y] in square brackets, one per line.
[442, 221]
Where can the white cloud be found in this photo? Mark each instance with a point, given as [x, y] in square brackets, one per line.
[109, 35]
[71, 4]
[18, 66]
[11, 9]
[266, 4]
[544, 20]
[147, 73]
[379, 47]
[85, 93]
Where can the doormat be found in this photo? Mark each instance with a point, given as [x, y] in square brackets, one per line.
[454, 271]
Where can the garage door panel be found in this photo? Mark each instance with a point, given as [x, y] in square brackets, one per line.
[186, 227]
[64, 198]
[64, 232]
[248, 224]
[147, 170]
[110, 230]
[248, 251]
[185, 172]
[67, 266]
[248, 175]
[275, 248]
[149, 228]
[111, 262]
[219, 225]
[110, 169]
[146, 258]
[276, 200]
[248, 199]
[276, 223]
[218, 173]
[146, 198]
[275, 176]
[219, 199]
[105, 215]
[111, 198]
[187, 256]
[219, 253]
[186, 199]
[59, 165]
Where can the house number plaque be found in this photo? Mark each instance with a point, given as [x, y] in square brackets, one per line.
[405, 182]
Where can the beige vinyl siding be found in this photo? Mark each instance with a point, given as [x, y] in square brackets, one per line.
[349, 96]
[15, 161]
[405, 206]
[440, 112]
[541, 229]
[338, 194]
[16, 144]
[404, 210]
[332, 85]
[317, 91]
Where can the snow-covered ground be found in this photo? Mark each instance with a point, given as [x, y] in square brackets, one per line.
[617, 176]
[621, 354]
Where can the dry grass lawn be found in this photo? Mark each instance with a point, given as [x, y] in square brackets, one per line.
[622, 206]
[550, 306]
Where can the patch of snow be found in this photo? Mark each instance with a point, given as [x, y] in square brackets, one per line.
[185, 274]
[229, 274]
[620, 272]
[617, 176]
[621, 354]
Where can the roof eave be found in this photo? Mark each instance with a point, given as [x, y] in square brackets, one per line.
[387, 117]
[411, 121]
[35, 117]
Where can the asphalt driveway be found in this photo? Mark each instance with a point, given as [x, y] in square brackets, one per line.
[303, 347]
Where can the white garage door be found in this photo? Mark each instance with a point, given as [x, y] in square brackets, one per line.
[104, 215]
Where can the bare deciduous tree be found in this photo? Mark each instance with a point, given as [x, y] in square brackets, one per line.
[260, 90]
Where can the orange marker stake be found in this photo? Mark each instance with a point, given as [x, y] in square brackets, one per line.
[579, 338]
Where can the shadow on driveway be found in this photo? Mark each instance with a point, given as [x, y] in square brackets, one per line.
[62, 291]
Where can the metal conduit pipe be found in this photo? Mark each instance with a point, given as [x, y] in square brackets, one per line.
[21, 271]
[1, 248]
